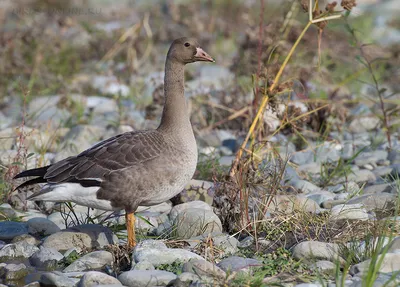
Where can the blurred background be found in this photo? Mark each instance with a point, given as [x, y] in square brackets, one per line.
[100, 64]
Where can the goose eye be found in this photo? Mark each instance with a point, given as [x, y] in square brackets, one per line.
[187, 44]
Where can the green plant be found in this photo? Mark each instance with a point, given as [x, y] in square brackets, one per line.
[175, 267]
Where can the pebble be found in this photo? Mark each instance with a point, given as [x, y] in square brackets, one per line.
[349, 211]
[158, 253]
[56, 278]
[41, 227]
[390, 263]
[145, 278]
[14, 271]
[96, 260]
[19, 249]
[10, 229]
[316, 250]
[235, 264]
[46, 258]
[203, 268]
[95, 278]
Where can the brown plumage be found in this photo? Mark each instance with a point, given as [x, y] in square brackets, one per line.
[134, 168]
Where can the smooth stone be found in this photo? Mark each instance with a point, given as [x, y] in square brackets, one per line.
[45, 258]
[203, 268]
[164, 207]
[64, 240]
[194, 222]
[292, 203]
[157, 253]
[390, 263]
[227, 243]
[308, 285]
[95, 278]
[236, 263]
[349, 211]
[316, 250]
[84, 236]
[382, 171]
[188, 206]
[246, 242]
[14, 271]
[310, 168]
[145, 278]
[92, 261]
[41, 226]
[379, 201]
[394, 245]
[143, 265]
[20, 249]
[349, 187]
[305, 186]
[364, 124]
[321, 196]
[370, 157]
[188, 279]
[358, 176]
[324, 265]
[27, 238]
[378, 188]
[58, 279]
[11, 229]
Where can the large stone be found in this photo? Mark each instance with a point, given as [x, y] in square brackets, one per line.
[349, 211]
[316, 250]
[96, 260]
[145, 278]
[203, 268]
[377, 201]
[157, 253]
[15, 250]
[58, 279]
[187, 206]
[14, 271]
[95, 278]
[11, 229]
[41, 226]
[235, 264]
[292, 203]
[389, 263]
[194, 222]
[46, 258]
[84, 236]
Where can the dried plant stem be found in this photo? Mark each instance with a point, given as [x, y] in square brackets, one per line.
[265, 101]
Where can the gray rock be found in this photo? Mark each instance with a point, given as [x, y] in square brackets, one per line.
[203, 268]
[370, 157]
[382, 171]
[378, 188]
[29, 239]
[235, 264]
[95, 278]
[378, 201]
[187, 206]
[321, 196]
[304, 186]
[310, 168]
[157, 253]
[394, 245]
[41, 226]
[20, 249]
[14, 271]
[308, 285]
[324, 265]
[96, 260]
[84, 236]
[364, 124]
[64, 240]
[145, 278]
[349, 211]
[58, 279]
[187, 279]
[316, 250]
[349, 187]
[46, 258]
[246, 242]
[143, 265]
[227, 243]
[194, 222]
[11, 229]
[109, 85]
[358, 176]
[291, 203]
[390, 263]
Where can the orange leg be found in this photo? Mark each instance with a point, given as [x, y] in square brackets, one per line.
[130, 226]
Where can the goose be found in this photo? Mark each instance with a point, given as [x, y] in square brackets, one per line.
[135, 168]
